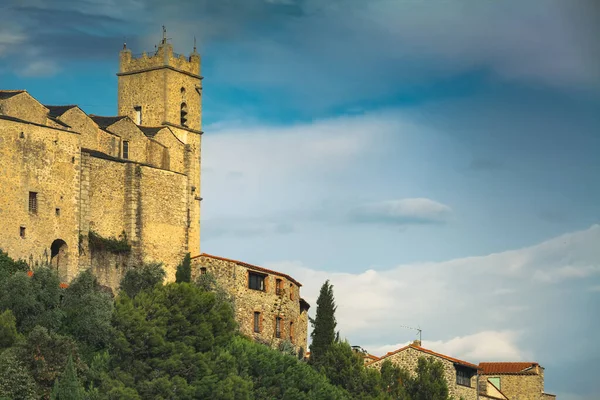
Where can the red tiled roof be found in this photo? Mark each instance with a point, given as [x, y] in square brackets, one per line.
[513, 368]
[250, 266]
[433, 353]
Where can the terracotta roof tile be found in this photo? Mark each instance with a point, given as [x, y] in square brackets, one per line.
[250, 266]
[513, 368]
[433, 353]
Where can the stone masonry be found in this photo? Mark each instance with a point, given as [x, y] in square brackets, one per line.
[279, 298]
[408, 357]
[69, 180]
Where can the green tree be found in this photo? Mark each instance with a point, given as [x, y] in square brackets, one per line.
[142, 278]
[393, 380]
[429, 382]
[68, 386]
[33, 300]
[8, 329]
[88, 312]
[184, 270]
[344, 368]
[16, 382]
[165, 338]
[45, 354]
[8, 266]
[323, 334]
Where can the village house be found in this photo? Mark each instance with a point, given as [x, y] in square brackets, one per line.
[516, 380]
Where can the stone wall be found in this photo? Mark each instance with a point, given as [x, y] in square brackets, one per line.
[520, 386]
[233, 277]
[25, 107]
[44, 161]
[408, 359]
[163, 217]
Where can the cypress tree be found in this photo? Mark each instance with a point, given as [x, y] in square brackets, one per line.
[184, 270]
[68, 387]
[323, 334]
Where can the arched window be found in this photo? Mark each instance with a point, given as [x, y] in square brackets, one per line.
[184, 113]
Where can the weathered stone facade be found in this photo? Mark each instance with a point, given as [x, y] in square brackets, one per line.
[65, 174]
[278, 298]
[517, 380]
[408, 357]
[71, 181]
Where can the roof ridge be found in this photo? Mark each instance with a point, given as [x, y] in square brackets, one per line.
[245, 264]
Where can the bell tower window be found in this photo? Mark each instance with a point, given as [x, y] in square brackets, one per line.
[138, 115]
[184, 113]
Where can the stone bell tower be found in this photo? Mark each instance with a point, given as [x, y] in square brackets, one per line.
[165, 89]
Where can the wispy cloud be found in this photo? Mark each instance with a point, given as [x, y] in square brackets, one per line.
[402, 212]
[490, 307]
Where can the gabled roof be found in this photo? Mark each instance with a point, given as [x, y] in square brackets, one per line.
[509, 368]
[105, 122]
[151, 131]
[433, 353]
[250, 266]
[57, 111]
[7, 94]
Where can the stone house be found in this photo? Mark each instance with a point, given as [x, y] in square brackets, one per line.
[268, 306]
[517, 380]
[461, 376]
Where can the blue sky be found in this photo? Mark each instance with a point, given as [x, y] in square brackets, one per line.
[437, 160]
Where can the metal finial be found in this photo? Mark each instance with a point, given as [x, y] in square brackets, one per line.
[124, 45]
[194, 43]
[164, 39]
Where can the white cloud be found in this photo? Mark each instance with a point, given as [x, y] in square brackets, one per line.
[486, 345]
[480, 308]
[403, 211]
[39, 68]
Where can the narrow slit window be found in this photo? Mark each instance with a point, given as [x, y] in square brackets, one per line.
[291, 332]
[278, 327]
[138, 115]
[33, 203]
[125, 149]
[257, 322]
[291, 291]
[57, 211]
[278, 287]
[22, 232]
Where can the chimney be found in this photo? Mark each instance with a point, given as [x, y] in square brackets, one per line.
[416, 343]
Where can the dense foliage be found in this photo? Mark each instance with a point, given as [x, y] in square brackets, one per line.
[174, 341]
[324, 323]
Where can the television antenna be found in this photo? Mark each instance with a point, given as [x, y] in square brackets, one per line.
[419, 330]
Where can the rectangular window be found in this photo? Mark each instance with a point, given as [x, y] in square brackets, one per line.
[278, 286]
[202, 270]
[256, 281]
[22, 232]
[125, 149]
[463, 377]
[291, 291]
[57, 211]
[277, 327]
[292, 332]
[256, 322]
[495, 381]
[33, 203]
[138, 115]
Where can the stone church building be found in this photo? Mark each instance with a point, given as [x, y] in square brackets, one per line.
[81, 191]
